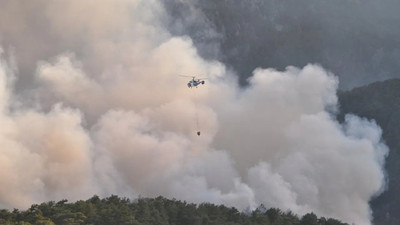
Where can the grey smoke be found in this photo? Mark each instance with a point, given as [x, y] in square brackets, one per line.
[357, 40]
[102, 111]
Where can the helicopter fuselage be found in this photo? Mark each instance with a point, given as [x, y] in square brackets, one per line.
[195, 83]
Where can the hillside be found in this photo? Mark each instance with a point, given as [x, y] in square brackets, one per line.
[357, 40]
[158, 211]
[381, 101]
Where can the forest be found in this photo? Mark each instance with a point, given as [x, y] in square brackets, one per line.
[155, 211]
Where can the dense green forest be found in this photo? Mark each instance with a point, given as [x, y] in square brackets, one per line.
[154, 211]
[381, 101]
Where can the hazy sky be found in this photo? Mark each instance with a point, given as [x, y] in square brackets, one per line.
[91, 103]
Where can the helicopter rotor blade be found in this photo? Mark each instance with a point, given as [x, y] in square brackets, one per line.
[187, 76]
[203, 78]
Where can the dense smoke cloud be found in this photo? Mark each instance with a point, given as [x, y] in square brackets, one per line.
[104, 112]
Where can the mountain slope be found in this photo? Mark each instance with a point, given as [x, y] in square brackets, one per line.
[356, 40]
[381, 101]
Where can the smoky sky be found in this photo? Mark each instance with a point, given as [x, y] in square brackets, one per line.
[357, 40]
[91, 103]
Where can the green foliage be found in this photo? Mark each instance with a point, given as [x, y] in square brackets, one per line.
[309, 219]
[146, 211]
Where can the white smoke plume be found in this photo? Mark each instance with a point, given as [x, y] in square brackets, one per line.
[103, 111]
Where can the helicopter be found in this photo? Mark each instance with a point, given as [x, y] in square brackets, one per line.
[194, 82]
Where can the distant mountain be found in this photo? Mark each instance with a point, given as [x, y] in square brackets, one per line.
[151, 211]
[356, 40]
[381, 101]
